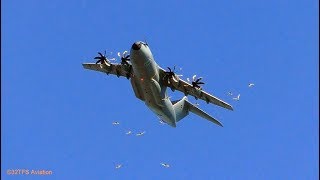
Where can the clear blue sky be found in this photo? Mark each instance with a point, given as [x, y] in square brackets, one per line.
[58, 116]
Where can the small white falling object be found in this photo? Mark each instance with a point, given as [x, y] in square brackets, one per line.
[162, 122]
[251, 84]
[197, 104]
[188, 79]
[118, 166]
[128, 133]
[141, 133]
[237, 98]
[165, 165]
[115, 123]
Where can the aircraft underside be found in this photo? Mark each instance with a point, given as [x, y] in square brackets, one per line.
[150, 82]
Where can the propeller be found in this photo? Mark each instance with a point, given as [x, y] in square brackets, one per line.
[196, 82]
[171, 74]
[124, 58]
[102, 58]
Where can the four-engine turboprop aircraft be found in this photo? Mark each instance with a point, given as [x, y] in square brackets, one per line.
[149, 82]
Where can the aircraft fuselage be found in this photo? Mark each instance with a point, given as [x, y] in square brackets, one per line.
[146, 83]
[150, 82]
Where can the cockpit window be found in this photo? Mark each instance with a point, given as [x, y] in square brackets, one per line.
[144, 43]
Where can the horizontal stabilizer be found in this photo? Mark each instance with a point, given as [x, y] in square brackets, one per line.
[194, 109]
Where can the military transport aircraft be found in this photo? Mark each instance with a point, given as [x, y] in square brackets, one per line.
[149, 83]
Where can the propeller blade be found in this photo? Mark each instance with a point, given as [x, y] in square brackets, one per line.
[194, 77]
[174, 79]
[198, 79]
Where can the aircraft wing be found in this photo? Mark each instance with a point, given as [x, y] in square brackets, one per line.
[110, 68]
[188, 89]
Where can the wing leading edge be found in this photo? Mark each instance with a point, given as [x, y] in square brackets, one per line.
[116, 69]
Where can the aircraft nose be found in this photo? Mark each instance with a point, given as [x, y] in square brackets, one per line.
[136, 46]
